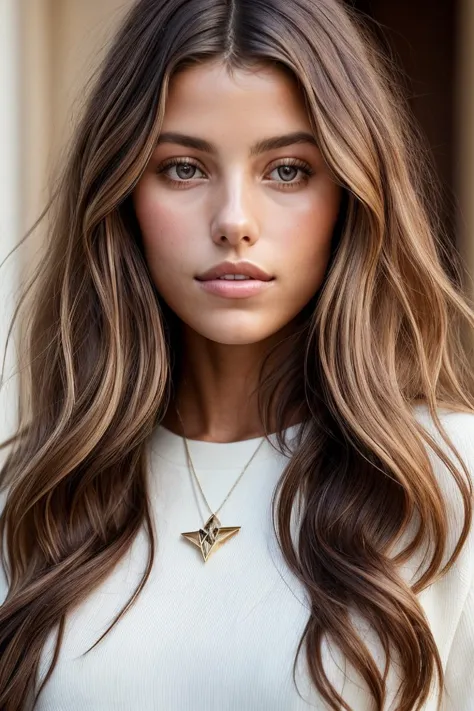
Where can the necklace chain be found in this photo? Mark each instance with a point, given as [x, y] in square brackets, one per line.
[190, 461]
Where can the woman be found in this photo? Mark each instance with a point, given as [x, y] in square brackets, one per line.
[243, 305]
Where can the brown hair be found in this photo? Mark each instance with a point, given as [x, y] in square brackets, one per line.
[383, 333]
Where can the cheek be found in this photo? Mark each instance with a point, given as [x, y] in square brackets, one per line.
[305, 237]
[163, 229]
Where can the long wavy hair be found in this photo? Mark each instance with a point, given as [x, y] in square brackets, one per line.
[385, 331]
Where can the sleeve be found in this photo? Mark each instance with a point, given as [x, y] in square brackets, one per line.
[459, 673]
[458, 694]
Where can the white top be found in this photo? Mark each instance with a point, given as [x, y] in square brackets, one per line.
[222, 635]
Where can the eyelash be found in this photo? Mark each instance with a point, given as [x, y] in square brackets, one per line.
[292, 162]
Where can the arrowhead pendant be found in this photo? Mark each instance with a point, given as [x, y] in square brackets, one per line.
[212, 536]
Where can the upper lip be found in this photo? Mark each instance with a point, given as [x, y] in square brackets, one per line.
[245, 268]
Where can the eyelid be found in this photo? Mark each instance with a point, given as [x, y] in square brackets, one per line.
[177, 160]
[293, 162]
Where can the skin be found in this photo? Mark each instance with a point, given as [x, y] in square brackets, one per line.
[230, 205]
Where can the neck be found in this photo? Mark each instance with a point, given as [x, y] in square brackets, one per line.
[217, 387]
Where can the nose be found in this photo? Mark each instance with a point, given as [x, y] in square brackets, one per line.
[234, 220]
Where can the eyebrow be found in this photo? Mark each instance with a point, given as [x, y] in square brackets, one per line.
[266, 144]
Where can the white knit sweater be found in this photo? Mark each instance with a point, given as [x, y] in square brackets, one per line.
[222, 635]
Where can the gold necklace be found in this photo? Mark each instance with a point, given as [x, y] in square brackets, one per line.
[212, 535]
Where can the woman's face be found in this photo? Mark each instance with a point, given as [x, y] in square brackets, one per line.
[235, 186]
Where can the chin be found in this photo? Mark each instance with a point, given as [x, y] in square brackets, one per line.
[232, 332]
[235, 339]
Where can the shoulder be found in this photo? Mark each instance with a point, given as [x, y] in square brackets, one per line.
[449, 601]
[459, 427]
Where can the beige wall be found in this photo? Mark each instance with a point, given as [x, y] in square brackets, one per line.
[61, 43]
[10, 204]
[37, 129]
[80, 32]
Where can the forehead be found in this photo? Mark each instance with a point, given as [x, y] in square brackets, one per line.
[265, 96]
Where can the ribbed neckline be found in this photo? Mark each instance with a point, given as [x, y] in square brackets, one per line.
[214, 455]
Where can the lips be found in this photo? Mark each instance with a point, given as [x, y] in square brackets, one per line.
[245, 268]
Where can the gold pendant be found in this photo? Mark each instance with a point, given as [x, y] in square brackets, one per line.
[212, 536]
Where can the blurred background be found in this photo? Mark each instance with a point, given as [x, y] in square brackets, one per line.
[50, 48]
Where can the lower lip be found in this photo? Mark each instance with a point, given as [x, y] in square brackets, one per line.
[235, 288]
